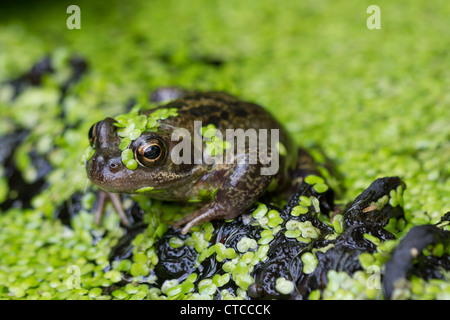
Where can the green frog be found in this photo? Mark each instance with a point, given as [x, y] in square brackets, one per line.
[141, 153]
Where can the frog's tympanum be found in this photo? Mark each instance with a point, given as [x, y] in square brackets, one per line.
[141, 152]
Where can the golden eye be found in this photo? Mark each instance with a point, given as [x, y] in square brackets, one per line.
[93, 134]
[150, 152]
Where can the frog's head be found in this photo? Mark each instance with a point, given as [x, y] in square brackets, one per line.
[151, 168]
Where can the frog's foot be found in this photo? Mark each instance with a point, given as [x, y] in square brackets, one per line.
[207, 213]
[103, 197]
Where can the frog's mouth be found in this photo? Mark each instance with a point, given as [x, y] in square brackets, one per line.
[111, 175]
[107, 173]
[105, 168]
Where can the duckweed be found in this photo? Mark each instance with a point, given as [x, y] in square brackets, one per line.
[245, 244]
[284, 286]
[46, 229]
[215, 145]
[243, 280]
[260, 211]
[338, 223]
[309, 262]
[298, 210]
[372, 238]
[313, 180]
[176, 242]
[207, 287]
[132, 124]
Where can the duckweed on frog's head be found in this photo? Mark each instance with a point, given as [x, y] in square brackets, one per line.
[131, 152]
[131, 125]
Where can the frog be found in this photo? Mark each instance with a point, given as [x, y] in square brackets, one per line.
[220, 189]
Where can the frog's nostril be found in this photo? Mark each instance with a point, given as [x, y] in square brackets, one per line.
[114, 165]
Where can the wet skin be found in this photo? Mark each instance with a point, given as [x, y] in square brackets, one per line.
[224, 191]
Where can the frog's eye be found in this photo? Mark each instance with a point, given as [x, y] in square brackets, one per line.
[150, 152]
[93, 133]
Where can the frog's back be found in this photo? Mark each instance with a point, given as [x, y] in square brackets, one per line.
[227, 112]
[220, 109]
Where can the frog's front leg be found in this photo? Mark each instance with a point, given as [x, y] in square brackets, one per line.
[102, 198]
[242, 185]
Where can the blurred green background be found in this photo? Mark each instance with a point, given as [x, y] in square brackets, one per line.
[377, 102]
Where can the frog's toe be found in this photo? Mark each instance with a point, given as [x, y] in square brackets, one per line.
[202, 215]
[195, 221]
[207, 213]
[184, 222]
[103, 197]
